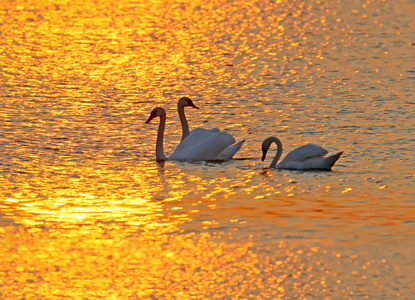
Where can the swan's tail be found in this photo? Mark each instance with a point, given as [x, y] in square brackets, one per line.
[230, 151]
[331, 160]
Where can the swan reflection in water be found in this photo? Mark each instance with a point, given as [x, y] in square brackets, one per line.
[200, 144]
[307, 157]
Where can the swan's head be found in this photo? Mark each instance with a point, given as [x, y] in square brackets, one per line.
[186, 101]
[265, 147]
[157, 112]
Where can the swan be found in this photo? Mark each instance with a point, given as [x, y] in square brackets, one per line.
[181, 104]
[307, 157]
[199, 134]
[200, 145]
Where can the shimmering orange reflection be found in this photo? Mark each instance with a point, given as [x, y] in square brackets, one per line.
[90, 195]
[104, 262]
[85, 209]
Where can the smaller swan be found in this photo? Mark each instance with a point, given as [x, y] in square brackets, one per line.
[181, 104]
[307, 157]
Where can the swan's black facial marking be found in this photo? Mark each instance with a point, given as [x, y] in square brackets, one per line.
[153, 114]
[264, 152]
[190, 103]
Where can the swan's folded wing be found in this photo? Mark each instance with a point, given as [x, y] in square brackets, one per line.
[305, 152]
[195, 137]
[230, 151]
[313, 163]
[204, 130]
[212, 147]
[202, 145]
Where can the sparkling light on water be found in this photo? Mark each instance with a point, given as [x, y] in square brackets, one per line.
[87, 212]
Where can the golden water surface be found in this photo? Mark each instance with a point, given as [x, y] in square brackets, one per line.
[87, 212]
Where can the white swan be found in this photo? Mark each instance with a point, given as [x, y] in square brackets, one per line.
[307, 157]
[198, 135]
[181, 104]
[200, 145]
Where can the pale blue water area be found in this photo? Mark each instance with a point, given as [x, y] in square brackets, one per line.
[78, 169]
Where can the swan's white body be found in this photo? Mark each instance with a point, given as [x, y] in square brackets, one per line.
[200, 145]
[206, 144]
[307, 157]
[202, 142]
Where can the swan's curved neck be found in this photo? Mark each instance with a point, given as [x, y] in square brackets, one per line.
[160, 156]
[278, 154]
[183, 121]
